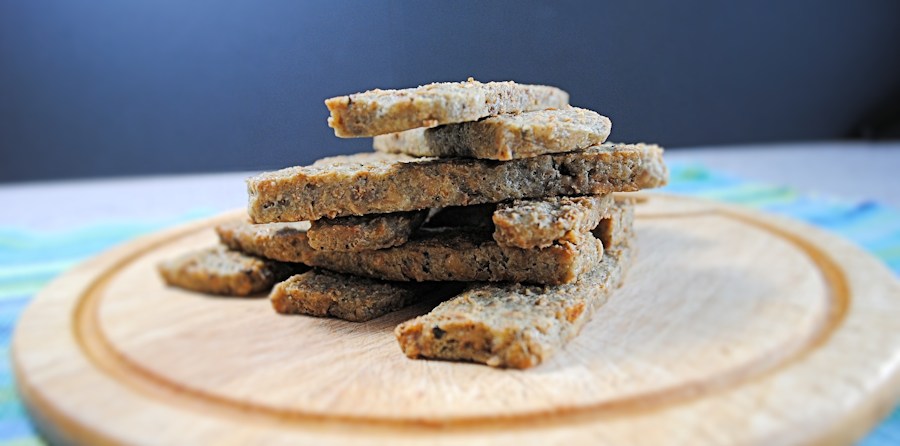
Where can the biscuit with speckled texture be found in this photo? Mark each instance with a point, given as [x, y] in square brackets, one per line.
[536, 223]
[513, 325]
[510, 325]
[366, 232]
[356, 299]
[285, 242]
[376, 112]
[376, 186]
[218, 270]
[446, 254]
[463, 254]
[504, 137]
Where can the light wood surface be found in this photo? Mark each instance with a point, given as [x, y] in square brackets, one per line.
[732, 328]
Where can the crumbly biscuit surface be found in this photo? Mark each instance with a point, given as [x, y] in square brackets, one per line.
[356, 299]
[446, 254]
[219, 270]
[363, 233]
[377, 112]
[511, 325]
[541, 222]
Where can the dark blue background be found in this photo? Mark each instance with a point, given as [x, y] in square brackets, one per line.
[116, 87]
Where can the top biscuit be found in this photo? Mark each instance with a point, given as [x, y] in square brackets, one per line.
[377, 112]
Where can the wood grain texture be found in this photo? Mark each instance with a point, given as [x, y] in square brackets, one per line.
[733, 327]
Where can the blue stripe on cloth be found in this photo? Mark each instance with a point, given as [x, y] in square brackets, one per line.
[29, 259]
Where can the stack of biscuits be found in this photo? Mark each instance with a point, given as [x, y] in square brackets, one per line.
[496, 198]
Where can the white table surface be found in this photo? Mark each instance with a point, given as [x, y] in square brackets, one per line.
[850, 170]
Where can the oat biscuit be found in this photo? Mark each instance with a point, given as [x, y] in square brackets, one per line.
[366, 232]
[356, 299]
[540, 222]
[504, 137]
[376, 112]
[512, 325]
[446, 254]
[463, 254]
[218, 270]
[375, 187]
[285, 242]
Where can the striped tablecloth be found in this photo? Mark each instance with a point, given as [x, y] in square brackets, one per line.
[28, 260]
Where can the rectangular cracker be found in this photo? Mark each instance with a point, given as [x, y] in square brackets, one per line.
[536, 223]
[376, 112]
[513, 325]
[376, 186]
[367, 232]
[284, 242]
[504, 137]
[450, 254]
[219, 270]
[461, 254]
[324, 293]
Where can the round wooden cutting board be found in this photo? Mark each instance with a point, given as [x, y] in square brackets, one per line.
[733, 327]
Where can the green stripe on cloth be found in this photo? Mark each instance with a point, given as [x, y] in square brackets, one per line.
[28, 260]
